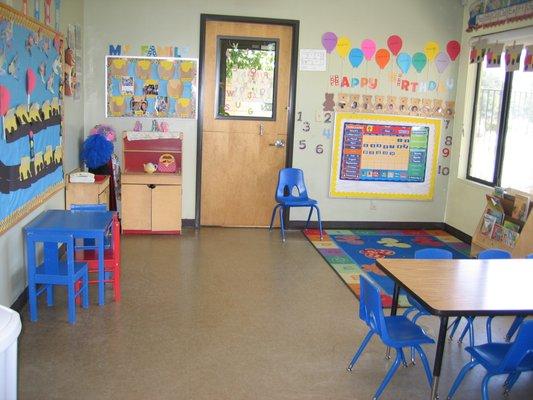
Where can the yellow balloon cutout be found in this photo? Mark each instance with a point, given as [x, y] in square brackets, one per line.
[343, 46]
[431, 50]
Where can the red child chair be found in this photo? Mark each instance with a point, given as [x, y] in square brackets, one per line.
[111, 259]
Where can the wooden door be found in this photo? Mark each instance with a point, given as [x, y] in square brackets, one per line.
[240, 159]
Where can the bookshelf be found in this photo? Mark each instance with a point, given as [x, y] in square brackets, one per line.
[493, 230]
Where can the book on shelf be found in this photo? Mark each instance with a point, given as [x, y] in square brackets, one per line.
[511, 225]
[520, 207]
[497, 232]
[509, 237]
[487, 226]
[495, 208]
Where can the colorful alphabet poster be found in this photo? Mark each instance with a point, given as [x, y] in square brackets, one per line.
[31, 152]
[388, 157]
[151, 87]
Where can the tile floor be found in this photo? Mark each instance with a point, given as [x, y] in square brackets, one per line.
[223, 314]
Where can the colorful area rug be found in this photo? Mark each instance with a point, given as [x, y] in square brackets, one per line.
[353, 252]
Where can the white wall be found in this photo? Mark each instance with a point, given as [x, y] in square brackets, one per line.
[12, 248]
[466, 199]
[177, 23]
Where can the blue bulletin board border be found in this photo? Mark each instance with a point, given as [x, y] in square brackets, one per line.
[404, 190]
[31, 140]
[151, 87]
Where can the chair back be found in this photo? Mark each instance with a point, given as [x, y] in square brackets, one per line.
[88, 207]
[53, 239]
[288, 179]
[433, 254]
[493, 254]
[371, 306]
[521, 351]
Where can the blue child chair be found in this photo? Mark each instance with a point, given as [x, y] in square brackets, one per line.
[487, 254]
[54, 271]
[500, 358]
[290, 179]
[394, 331]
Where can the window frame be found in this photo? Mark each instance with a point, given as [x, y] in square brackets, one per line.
[502, 129]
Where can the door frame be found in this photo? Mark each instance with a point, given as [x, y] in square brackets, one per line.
[204, 18]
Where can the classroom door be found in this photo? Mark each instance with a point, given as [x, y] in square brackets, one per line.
[246, 91]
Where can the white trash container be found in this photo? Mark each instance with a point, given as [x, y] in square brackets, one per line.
[10, 327]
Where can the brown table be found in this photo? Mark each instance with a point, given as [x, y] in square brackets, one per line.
[462, 288]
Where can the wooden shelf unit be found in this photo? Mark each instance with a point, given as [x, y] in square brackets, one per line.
[151, 203]
[96, 192]
[524, 243]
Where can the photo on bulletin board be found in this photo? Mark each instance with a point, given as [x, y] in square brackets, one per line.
[31, 152]
[384, 157]
[151, 87]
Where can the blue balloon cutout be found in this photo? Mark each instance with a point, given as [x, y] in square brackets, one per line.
[404, 62]
[356, 57]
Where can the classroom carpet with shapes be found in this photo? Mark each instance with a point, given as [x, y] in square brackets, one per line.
[354, 252]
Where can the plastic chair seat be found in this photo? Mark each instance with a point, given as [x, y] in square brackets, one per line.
[491, 355]
[46, 273]
[291, 201]
[404, 333]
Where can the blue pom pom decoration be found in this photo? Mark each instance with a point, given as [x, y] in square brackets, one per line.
[97, 151]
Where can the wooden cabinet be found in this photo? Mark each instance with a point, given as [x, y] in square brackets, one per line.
[88, 193]
[151, 203]
[523, 245]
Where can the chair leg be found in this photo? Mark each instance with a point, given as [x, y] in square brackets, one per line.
[408, 310]
[510, 381]
[71, 303]
[460, 378]
[116, 282]
[514, 327]
[85, 298]
[413, 356]
[309, 217]
[389, 375]
[281, 223]
[485, 387]
[489, 329]
[454, 326]
[32, 300]
[425, 363]
[402, 358]
[360, 350]
[469, 325]
[319, 223]
[273, 215]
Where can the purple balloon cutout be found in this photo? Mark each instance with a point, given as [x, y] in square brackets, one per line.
[329, 41]
[442, 61]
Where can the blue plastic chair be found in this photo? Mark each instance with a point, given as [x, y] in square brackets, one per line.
[518, 320]
[499, 359]
[394, 331]
[54, 271]
[290, 179]
[483, 255]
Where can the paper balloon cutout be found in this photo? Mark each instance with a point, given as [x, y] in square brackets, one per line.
[442, 61]
[382, 58]
[404, 62]
[369, 48]
[329, 41]
[453, 48]
[419, 61]
[30, 81]
[394, 43]
[343, 46]
[356, 57]
[431, 50]
[5, 98]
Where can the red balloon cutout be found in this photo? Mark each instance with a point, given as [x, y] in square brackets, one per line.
[30, 81]
[453, 48]
[5, 98]
[395, 43]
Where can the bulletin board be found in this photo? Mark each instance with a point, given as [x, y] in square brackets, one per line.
[151, 87]
[384, 156]
[31, 152]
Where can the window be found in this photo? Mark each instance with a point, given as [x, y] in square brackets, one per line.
[247, 78]
[501, 141]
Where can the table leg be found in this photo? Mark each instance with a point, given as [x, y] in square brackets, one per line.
[101, 273]
[395, 297]
[50, 257]
[438, 358]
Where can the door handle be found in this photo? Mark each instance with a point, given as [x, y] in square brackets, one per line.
[278, 143]
[261, 130]
[151, 186]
